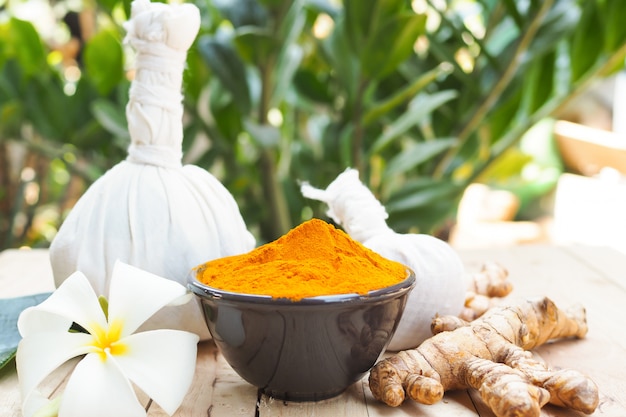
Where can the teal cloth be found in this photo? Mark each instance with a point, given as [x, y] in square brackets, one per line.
[10, 309]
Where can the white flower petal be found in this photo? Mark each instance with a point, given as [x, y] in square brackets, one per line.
[161, 363]
[97, 388]
[35, 404]
[41, 353]
[135, 295]
[74, 301]
[183, 299]
[50, 408]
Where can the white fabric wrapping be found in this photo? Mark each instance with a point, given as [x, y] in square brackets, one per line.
[150, 211]
[440, 279]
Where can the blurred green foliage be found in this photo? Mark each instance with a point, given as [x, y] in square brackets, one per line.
[422, 97]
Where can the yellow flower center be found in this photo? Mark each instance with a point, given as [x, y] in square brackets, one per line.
[107, 340]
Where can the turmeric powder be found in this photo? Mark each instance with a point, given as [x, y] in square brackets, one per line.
[312, 259]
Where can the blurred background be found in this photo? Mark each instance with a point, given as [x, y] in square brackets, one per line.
[483, 122]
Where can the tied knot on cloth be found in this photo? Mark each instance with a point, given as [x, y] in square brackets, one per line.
[161, 35]
[352, 205]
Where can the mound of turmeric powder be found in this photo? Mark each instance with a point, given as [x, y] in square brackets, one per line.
[313, 259]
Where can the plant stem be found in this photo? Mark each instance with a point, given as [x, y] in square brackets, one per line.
[279, 222]
[495, 92]
[406, 94]
[358, 122]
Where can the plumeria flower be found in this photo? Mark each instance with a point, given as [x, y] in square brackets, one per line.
[160, 363]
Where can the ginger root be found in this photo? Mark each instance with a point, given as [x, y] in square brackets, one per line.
[491, 354]
[486, 288]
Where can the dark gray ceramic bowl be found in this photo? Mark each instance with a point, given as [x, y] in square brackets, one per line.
[306, 350]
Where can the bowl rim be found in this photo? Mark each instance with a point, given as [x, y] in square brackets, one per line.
[203, 290]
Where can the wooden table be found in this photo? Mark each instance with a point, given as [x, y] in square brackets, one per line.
[595, 277]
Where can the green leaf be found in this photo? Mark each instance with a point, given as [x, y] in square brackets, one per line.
[341, 58]
[287, 67]
[418, 193]
[444, 52]
[615, 29]
[82, 128]
[511, 7]
[358, 15]
[10, 80]
[364, 17]
[127, 8]
[540, 81]
[293, 23]
[417, 154]
[10, 310]
[391, 44]
[509, 165]
[291, 53]
[422, 204]
[23, 43]
[405, 93]
[104, 61]
[312, 85]
[46, 106]
[111, 118]
[228, 67]
[559, 23]
[242, 12]
[345, 145]
[11, 115]
[256, 45]
[503, 115]
[419, 108]
[267, 136]
[225, 112]
[196, 76]
[498, 39]
[586, 41]
[108, 5]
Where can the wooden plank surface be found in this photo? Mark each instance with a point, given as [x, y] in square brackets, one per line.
[25, 272]
[594, 277]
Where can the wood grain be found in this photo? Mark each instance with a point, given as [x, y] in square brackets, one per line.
[594, 277]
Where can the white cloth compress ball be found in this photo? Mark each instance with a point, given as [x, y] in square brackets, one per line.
[440, 278]
[150, 211]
